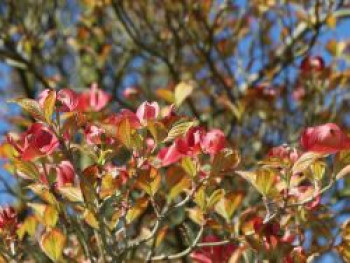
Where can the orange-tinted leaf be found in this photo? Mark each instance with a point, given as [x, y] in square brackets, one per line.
[49, 106]
[136, 210]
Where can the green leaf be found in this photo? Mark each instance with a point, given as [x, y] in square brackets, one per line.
[30, 106]
[49, 105]
[52, 243]
[182, 91]
[27, 170]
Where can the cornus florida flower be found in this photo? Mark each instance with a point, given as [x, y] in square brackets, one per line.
[37, 141]
[213, 142]
[284, 152]
[312, 63]
[66, 98]
[327, 139]
[189, 145]
[64, 174]
[147, 111]
[215, 254]
[94, 99]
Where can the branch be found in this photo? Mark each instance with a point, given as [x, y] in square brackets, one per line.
[279, 60]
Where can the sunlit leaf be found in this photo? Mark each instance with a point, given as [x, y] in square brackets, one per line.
[30, 106]
[26, 170]
[178, 130]
[49, 106]
[189, 166]
[71, 193]
[182, 91]
[52, 243]
[137, 209]
[305, 161]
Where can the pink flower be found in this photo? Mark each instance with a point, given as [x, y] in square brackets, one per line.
[42, 97]
[189, 145]
[170, 155]
[94, 99]
[37, 141]
[68, 100]
[65, 174]
[284, 152]
[327, 139]
[213, 254]
[213, 142]
[312, 63]
[147, 112]
[8, 219]
[94, 134]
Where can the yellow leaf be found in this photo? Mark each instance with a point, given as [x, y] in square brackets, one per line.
[49, 105]
[136, 210]
[149, 181]
[196, 215]
[124, 133]
[215, 197]
[43, 192]
[189, 166]
[228, 205]
[305, 161]
[50, 216]
[52, 243]
[318, 169]
[331, 21]
[27, 227]
[90, 219]
[71, 193]
[265, 179]
[179, 129]
[182, 91]
[166, 95]
[200, 198]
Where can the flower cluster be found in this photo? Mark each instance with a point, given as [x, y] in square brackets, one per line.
[97, 177]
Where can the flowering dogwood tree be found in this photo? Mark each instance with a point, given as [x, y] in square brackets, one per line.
[105, 187]
[205, 131]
